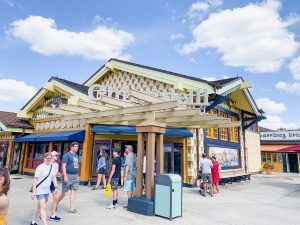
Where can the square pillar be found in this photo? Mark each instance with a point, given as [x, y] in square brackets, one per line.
[150, 165]
[159, 154]
[139, 164]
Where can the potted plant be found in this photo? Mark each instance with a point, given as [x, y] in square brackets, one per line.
[268, 166]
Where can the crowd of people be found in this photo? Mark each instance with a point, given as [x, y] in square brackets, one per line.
[122, 171]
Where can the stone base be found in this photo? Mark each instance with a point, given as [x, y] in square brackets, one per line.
[141, 205]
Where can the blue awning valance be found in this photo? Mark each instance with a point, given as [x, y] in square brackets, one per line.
[112, 129]
[74, 135]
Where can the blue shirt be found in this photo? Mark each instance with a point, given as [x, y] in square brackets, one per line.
[101, 162]
[72, 162]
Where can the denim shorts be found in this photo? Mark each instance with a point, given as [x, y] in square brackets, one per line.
[42, 196]
[72, 184]
[129, 185]
[114, 183]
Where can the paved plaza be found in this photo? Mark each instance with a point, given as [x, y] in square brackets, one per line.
[267, 200]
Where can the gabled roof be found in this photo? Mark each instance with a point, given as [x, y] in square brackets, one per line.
[79, 87]
[224, 81]
[154, 69]
[9, 119]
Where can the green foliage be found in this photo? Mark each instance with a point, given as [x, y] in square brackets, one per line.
[268, 164]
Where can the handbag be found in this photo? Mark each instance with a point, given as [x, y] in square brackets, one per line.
[31, 189]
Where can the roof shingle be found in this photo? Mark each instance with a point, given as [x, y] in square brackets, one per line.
[10, 119]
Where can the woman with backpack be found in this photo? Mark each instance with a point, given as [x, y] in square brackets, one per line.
[101, 170]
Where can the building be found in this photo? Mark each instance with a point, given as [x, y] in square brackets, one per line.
[188, 116]
[11, 127]
[282, 148]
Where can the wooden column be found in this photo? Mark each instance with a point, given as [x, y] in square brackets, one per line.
[25, 157]
[139, 163]
[87, 149]
[150, 165]
[9, 154]
[51, 146]
[160, 154]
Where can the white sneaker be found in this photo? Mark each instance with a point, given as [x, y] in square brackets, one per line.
[111, 206]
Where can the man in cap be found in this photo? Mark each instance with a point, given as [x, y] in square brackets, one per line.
[130, 172]
[53, 189]
[206, 165]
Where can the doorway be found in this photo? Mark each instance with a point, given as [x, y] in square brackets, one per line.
[3, 153]
[293, 162]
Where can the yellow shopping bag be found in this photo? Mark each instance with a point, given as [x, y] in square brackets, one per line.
[107, 190]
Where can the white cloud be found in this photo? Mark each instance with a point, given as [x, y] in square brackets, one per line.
[15, 91]
[275, 122]
[215, 3]
[9, 2]
[293, 88]
[254, 37]
[225, 77]
[45, 38]
[176, 36]
[295, 68]
[197, 7]
[269, 106]
[210, 78]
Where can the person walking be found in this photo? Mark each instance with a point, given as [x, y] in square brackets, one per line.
[70, 180]
[53, 188]
[215, 175]
[43, 175]
[130, 172]
[101, 170]
[4, 188]
[206, 165]
[114, 178]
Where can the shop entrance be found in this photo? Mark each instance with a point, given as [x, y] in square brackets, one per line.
[172, 157]
[15, 164]
[293, 162]
[3, 153]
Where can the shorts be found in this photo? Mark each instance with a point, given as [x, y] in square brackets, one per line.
[206, 178]
[129, 185]
[101, 171]
[72, 184]
[42, 196]
[52, 187]
[114, 183]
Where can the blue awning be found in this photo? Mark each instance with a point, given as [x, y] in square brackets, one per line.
[74, 135]
[112, 129]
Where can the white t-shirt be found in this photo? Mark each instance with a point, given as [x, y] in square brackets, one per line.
[41, 172]
[55, 167]
[206, 165]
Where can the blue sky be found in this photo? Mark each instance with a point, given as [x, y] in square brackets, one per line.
[212, 39]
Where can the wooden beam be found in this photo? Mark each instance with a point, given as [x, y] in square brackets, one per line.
[175, 113]
[203, 125]
[117, 118]
[74, 108]
[129, 110]
[191, 119]
[117, 102]
[145, 97]
[58, 111]
[95, 106]
[60, 90]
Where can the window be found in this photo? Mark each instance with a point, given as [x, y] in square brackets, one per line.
[274, 157]
[279, 157]
[224, 131]
[263, 157]
[40, 149]
[234, 131]
[268, 156]
[212, 132]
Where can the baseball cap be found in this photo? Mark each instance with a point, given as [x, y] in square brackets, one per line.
[204, 154]
[53, 153]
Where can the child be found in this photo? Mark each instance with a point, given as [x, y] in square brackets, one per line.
[4, 188]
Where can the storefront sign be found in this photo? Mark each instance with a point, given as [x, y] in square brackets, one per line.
[227, 157]
[280, 136]
[197, 97]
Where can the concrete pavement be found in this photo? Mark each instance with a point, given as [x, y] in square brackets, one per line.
[267, 200]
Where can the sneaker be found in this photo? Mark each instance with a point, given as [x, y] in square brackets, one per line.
[125, 206]
[94, 188]
[54, 218]
[33, 223]
[73, 211]
[111, 206]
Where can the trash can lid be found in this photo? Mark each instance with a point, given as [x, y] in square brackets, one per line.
[168, 177]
